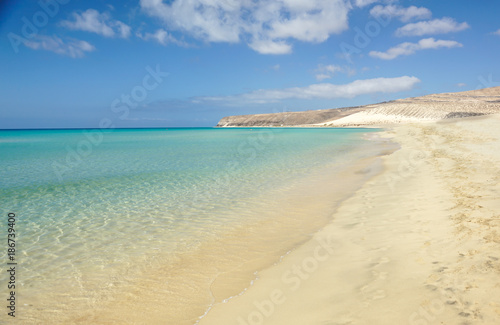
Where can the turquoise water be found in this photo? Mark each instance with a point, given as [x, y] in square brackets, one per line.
[93, 206]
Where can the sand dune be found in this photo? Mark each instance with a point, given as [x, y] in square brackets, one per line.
[418, 109]
[426, 109]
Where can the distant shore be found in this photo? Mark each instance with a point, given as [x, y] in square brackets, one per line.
[430, 108]
[417, 244]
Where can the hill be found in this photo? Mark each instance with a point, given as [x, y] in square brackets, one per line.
[416, 109]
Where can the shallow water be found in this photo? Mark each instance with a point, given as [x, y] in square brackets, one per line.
[104, 217]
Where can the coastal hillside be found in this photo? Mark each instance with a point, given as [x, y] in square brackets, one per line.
[416, 109]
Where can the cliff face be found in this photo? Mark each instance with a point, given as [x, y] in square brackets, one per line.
[418, 109]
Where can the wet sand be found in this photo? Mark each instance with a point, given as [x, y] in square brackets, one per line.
[417, 244]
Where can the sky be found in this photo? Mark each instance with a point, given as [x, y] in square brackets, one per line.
[173, 63]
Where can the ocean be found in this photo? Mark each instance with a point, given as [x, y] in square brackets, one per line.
[123, 225]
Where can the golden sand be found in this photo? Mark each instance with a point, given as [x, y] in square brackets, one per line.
[418, 244]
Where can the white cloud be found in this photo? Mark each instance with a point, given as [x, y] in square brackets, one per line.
[318, 91]
[436, 26]
[403, 14]
[364, 3]
[408, 48]
[161, 36]
[322, 76]
[314, 24]
[461, 84]
[266, 24]
[497, 32]
[270, 47]
[72, 48]
[328, 71]
[95, 22]
[332, 68]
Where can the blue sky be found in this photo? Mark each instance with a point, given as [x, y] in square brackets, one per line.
[156, 63]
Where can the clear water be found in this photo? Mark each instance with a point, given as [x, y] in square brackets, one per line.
[93, 208]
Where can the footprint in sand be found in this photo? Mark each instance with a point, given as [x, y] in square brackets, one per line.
[379, 275]
[371, 291]
[384, 260]
[352, 225]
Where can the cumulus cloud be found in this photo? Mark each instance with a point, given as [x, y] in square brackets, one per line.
[403, 14]
[161, 36]
[266, 25]
[95, 22]
[72, 48]
[317, 91]
[436, 26]
[408, 48]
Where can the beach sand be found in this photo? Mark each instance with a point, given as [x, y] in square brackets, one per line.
[417, 244]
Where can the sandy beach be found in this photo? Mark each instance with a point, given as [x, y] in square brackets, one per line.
[417, 244]
[224, 162]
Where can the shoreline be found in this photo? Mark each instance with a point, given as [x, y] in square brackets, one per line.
[368, 166]
[417, 244]
[238, 268]
[181, 290]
